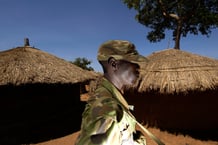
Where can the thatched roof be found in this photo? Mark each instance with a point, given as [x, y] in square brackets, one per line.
[177, 71]
[23, 65]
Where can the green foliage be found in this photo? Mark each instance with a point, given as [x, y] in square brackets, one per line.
[83, 63]
[180, 16]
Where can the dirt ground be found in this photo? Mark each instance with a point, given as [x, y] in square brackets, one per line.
[167, 138]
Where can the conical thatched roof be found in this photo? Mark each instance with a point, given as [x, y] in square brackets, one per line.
[23, 65]
[176, 71]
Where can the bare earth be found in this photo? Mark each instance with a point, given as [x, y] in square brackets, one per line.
[167, 138]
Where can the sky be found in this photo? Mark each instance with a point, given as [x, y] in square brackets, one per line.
[70, 29]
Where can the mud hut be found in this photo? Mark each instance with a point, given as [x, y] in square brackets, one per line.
[40, 95]
[178, 92]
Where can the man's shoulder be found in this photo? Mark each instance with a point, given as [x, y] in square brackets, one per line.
[104, 99]
[102, 91]
[103, 96]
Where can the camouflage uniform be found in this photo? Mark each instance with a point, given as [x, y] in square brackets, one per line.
[105, 121]
[106, 118]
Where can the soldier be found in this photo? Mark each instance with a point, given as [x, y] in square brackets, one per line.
[106, 119]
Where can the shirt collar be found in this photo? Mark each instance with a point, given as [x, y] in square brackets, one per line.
[116, 93]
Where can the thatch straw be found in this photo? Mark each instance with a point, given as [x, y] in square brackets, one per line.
[176, 71]
[23, 65]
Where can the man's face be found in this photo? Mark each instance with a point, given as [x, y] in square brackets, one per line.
[128, 72]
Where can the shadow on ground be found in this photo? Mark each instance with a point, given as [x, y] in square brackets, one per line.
[32, 116]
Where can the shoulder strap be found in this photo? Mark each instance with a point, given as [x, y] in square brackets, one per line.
[145, 131]
[125, 106]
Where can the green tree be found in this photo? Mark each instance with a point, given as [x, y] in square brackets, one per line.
[83, 63]
[180, 16]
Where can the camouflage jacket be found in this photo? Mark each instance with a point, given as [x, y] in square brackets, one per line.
[105, 121]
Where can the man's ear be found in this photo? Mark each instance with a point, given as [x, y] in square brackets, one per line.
[112, 62]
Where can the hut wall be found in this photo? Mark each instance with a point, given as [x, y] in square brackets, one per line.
[194, 113]
[39, 112]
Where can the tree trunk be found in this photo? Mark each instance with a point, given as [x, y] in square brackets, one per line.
[178, 35]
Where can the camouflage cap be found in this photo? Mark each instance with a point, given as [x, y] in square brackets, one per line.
[120, 50]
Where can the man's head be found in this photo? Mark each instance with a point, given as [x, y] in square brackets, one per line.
[119, 60]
